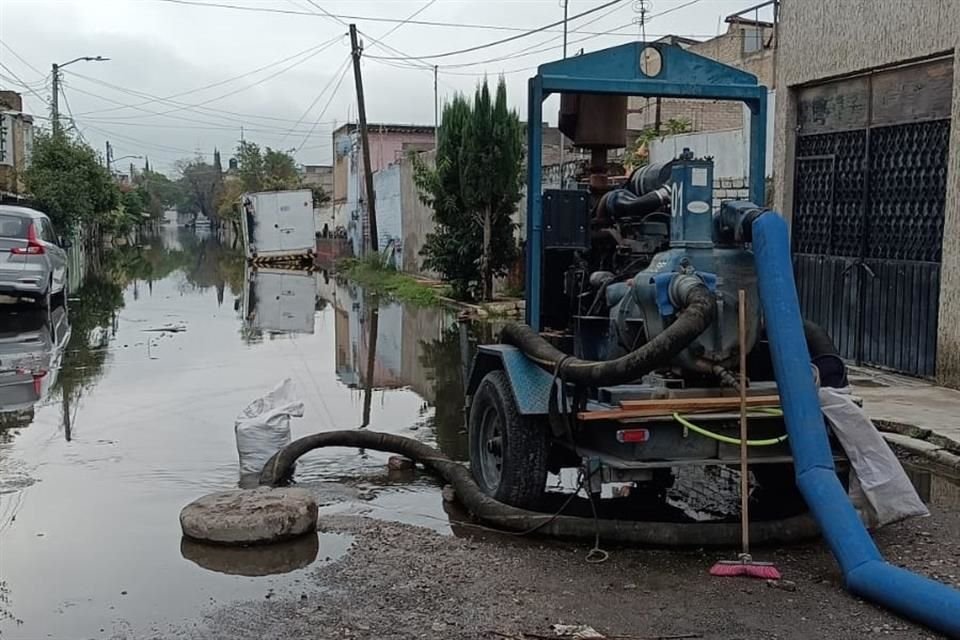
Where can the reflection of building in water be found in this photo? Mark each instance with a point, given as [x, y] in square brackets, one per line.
[401, 332]
[416, 348]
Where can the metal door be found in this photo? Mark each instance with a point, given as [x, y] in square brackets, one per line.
[869, 199]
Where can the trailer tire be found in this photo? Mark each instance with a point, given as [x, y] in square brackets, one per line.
[508, 451]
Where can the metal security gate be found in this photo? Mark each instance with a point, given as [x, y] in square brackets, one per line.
[869, 199]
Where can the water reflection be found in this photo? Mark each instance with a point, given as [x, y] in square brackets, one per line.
[132, 421]
[253, 561]
[31, 349]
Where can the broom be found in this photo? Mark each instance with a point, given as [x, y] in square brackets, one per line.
[744, 565]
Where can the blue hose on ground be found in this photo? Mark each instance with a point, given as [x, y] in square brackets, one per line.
[865, 572]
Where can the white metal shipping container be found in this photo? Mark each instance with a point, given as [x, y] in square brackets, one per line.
[278, 224]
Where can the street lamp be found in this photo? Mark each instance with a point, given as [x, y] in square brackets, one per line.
[55, 98]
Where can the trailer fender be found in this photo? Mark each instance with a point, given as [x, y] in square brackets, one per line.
[530, 384]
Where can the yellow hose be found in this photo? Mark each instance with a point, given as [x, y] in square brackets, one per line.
[727, 439]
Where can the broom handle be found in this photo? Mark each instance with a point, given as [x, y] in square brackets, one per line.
[744, 480]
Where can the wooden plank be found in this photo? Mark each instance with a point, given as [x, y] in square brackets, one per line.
[666, 407]
[698, 404]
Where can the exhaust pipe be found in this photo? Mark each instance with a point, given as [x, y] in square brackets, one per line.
[865, 572]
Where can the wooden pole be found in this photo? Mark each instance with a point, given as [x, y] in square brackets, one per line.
[356, 50]
[744, 471]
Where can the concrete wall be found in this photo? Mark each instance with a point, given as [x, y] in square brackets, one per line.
[416, 219]
[823, 39]
[386, 184]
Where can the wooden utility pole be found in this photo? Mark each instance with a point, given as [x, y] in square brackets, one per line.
[55, 98]
[436, 112]
[364, 141]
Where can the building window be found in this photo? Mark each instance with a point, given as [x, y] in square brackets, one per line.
[752, 39]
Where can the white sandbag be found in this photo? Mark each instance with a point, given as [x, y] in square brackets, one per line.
[879, 487]
[263, 427]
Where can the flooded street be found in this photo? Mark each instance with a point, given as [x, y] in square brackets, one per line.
[164, 346]
[119, 410]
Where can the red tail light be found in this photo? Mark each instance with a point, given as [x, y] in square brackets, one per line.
[33, 248]
[633, 435]
[38, 382]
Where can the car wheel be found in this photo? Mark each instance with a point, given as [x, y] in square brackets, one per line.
[508, 451]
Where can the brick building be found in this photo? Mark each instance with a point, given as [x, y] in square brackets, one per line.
[747, 44]
[16, 142]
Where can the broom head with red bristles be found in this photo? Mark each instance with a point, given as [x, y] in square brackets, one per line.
[745, 565]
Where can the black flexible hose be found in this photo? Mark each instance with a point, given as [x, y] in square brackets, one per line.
[699, 310]
[825, 355]
[621, 202]
[279, 468]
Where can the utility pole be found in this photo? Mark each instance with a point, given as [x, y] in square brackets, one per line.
[563, 138]
[436, 112]
[55, 98]
[355, 51]
[109, 158]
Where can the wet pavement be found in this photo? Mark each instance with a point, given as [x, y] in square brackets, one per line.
[160, 349]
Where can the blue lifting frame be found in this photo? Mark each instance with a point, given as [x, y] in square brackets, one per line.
[618, 71]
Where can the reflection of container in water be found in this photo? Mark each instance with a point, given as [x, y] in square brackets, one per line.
[280, 300]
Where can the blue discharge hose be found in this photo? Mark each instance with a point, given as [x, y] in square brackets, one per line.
[865, 572]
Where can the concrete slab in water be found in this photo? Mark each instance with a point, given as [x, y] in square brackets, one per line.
[250, 516]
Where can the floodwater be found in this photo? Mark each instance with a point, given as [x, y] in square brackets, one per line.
[119, 410]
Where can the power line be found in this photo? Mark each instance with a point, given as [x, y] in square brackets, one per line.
[21, 59]
[422, 23]
[512, 54]
[325, 107]
[237, 77]
[23, 84]
[343, 67]
[221, 114]
[66, 103]
[327, 13]
[407, 20]
[518, 36]
[143, 143]
[185, 106]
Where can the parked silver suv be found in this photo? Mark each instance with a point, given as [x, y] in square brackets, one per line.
[32, 264]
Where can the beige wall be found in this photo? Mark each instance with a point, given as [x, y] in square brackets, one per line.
[821, 39]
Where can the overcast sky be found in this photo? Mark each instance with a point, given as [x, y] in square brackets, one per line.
[160, 50]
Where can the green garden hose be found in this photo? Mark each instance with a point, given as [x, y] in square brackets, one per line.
[727, 439]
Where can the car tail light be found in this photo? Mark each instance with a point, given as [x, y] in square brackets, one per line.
[34, 247]
[38, 382]
[633, 435]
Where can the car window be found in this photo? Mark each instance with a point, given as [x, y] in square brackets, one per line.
[46, 231]
[13, 226]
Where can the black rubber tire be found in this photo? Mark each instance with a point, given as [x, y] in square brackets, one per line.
[524, 445]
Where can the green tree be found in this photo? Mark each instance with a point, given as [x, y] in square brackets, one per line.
[280, 171]
[473, 190]
[201, 184]
[158, 192]
[67, 181]
[266, 169]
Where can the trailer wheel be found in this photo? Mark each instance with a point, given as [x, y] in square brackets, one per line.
[508, 451]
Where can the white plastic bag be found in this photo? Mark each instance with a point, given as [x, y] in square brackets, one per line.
[263, 427]
[879, 487]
